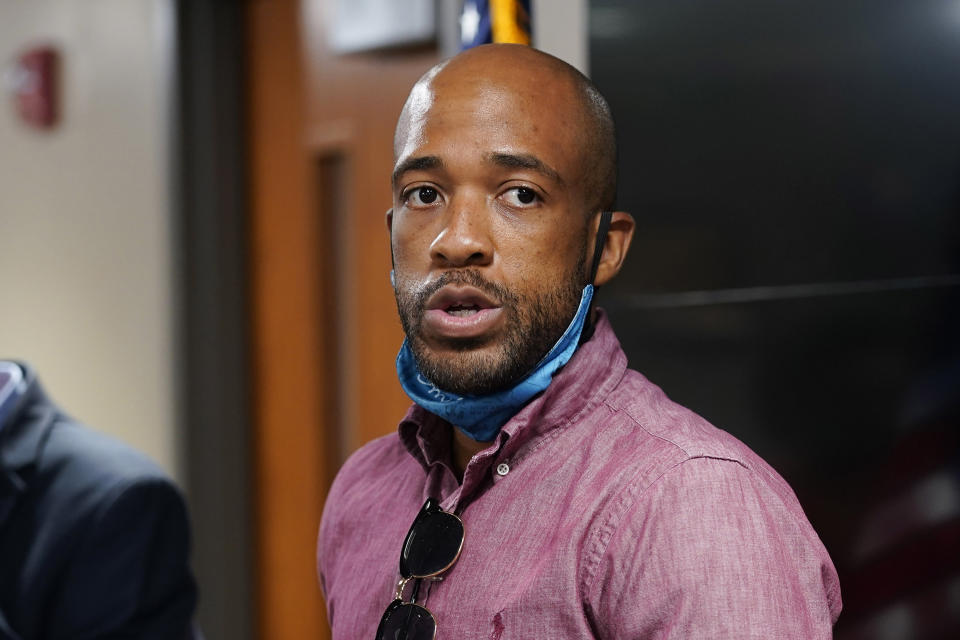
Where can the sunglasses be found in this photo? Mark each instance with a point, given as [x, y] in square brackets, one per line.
[431, 547]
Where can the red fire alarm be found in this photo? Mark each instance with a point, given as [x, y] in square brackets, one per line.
[33, 80]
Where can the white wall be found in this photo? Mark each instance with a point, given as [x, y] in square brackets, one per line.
[561, 28]
[85, 223]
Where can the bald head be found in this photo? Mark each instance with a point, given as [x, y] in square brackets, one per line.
[539, 81]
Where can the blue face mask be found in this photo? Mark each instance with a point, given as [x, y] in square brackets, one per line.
[480, 417]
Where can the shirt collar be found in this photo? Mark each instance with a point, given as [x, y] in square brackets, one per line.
[26, 427]
[593, 371]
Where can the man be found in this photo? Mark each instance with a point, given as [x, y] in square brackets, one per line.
[592, 506]
[94, 538]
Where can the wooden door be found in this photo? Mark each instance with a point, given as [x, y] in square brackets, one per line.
[324, 319]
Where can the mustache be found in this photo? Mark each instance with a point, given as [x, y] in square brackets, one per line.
[470, 277]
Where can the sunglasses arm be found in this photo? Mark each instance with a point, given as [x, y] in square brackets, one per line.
[402, 585]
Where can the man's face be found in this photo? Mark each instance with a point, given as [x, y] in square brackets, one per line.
[489, 228]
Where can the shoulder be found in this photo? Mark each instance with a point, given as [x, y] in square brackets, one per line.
[76, 448]
[367, 478]
[639, 406]
[105, 536]
[722, 499]
[370, 464]
[86, 481]
[651, 410]
[700, 518]
[383, 450]
[91, 470]
[688, 461]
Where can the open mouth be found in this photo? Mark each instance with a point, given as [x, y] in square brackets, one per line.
[458, 311]
[460, 301]
[463, 310]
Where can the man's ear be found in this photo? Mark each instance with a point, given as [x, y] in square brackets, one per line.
[615, 249]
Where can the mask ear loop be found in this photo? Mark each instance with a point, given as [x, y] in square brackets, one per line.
[393, 278]
[602, 230]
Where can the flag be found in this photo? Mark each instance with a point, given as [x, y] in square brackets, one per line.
[485, 21]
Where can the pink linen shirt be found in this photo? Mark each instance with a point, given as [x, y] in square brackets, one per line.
[602, 510]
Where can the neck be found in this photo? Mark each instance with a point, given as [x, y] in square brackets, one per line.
[464, 448]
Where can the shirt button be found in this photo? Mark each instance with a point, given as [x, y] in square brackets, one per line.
[503, 468]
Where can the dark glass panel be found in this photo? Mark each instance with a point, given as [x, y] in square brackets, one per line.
[784, 142]
[794, 169]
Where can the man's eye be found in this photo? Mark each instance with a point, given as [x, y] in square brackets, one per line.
[521, 196]
[422, 195]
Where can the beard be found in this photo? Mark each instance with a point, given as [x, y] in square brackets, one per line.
[534, 323]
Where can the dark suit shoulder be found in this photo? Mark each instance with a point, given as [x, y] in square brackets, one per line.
[77, 449]
[78, 471]
[97, 541]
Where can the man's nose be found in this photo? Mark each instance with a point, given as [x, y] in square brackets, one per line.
[464, 240]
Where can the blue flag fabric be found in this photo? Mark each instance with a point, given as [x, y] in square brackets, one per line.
[486, 21]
